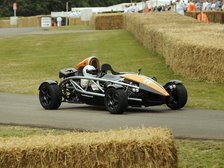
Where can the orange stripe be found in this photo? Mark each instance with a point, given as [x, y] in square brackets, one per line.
[146, 81]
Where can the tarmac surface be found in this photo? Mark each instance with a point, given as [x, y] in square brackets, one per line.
[11, 32]
[16, 109]
[26, 110]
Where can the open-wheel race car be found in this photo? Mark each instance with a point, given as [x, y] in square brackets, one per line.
[93, 84]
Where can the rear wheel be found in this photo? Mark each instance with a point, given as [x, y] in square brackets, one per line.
[178, 96]
[50, 96]
[116, 100]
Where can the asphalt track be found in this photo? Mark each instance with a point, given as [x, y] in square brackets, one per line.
[19, 109]
[11, 32]
[25, 110]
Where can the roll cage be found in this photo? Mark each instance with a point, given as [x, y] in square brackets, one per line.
[73, 84]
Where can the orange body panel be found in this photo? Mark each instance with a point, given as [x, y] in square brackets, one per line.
[146, 81]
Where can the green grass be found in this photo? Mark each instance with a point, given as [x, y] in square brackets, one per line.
[26, 61]
[17, 131]
[4, 18]
[191, 153]
[200, 154]
[76, 27]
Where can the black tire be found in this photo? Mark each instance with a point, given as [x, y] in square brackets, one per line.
[116, 101]
[50, 96]
[178, 96]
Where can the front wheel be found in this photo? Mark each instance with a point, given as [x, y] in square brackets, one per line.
[116, 100]
[50, 96]
[178, 96]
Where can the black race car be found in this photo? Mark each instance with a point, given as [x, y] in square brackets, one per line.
[93, 84]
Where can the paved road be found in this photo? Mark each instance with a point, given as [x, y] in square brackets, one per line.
[186, 123]
[10, 32]
[26, 110]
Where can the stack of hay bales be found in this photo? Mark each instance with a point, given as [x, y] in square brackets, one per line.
[75, 21]
[192, 48]
[4, 23]
[151, 147]
[108, 21]
[33, 21]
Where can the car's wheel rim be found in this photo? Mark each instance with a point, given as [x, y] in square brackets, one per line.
[173, 99]
[112, 100]
[45, 96]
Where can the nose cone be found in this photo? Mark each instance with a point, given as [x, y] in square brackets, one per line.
[147, 83]
[156, 86]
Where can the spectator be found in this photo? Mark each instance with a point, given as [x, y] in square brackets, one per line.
[218, 2]
[185, 5]
[159, 8]
[132, 9]
[204, 5]
[209, 5]
[146, 7]
[169, 8]
[198, 6]
[223, 6]
[213, 6]
[180, 7]
[191, 6]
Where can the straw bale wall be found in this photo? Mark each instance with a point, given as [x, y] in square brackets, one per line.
[4, 23]
[192, 48]
[143, 148]
[108, 21]
[33, 21]
[75, 21]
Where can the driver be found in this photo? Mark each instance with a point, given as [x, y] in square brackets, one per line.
[89, 71]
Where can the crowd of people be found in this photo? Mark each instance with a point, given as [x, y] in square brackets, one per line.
[179, 6]
[198, 5]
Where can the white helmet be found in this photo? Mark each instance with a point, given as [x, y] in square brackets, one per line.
[87, 71]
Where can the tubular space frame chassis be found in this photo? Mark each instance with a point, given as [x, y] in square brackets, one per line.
[95, 81]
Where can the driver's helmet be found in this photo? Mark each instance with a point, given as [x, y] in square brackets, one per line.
[89, 71]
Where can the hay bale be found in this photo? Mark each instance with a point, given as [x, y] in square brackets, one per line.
[193, 49]
[108, 21]
[149, 147]
[33, 21]
[75, 21]
[4, 23]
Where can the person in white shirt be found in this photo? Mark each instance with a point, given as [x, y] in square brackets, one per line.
[209, 5]
[180, 7]
[213, 6]
[223, 6]
[132, 9]
[205, 5]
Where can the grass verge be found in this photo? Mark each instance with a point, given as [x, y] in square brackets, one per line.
[191, 153]
[4, 18]
[26, 61]
[76, 27]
